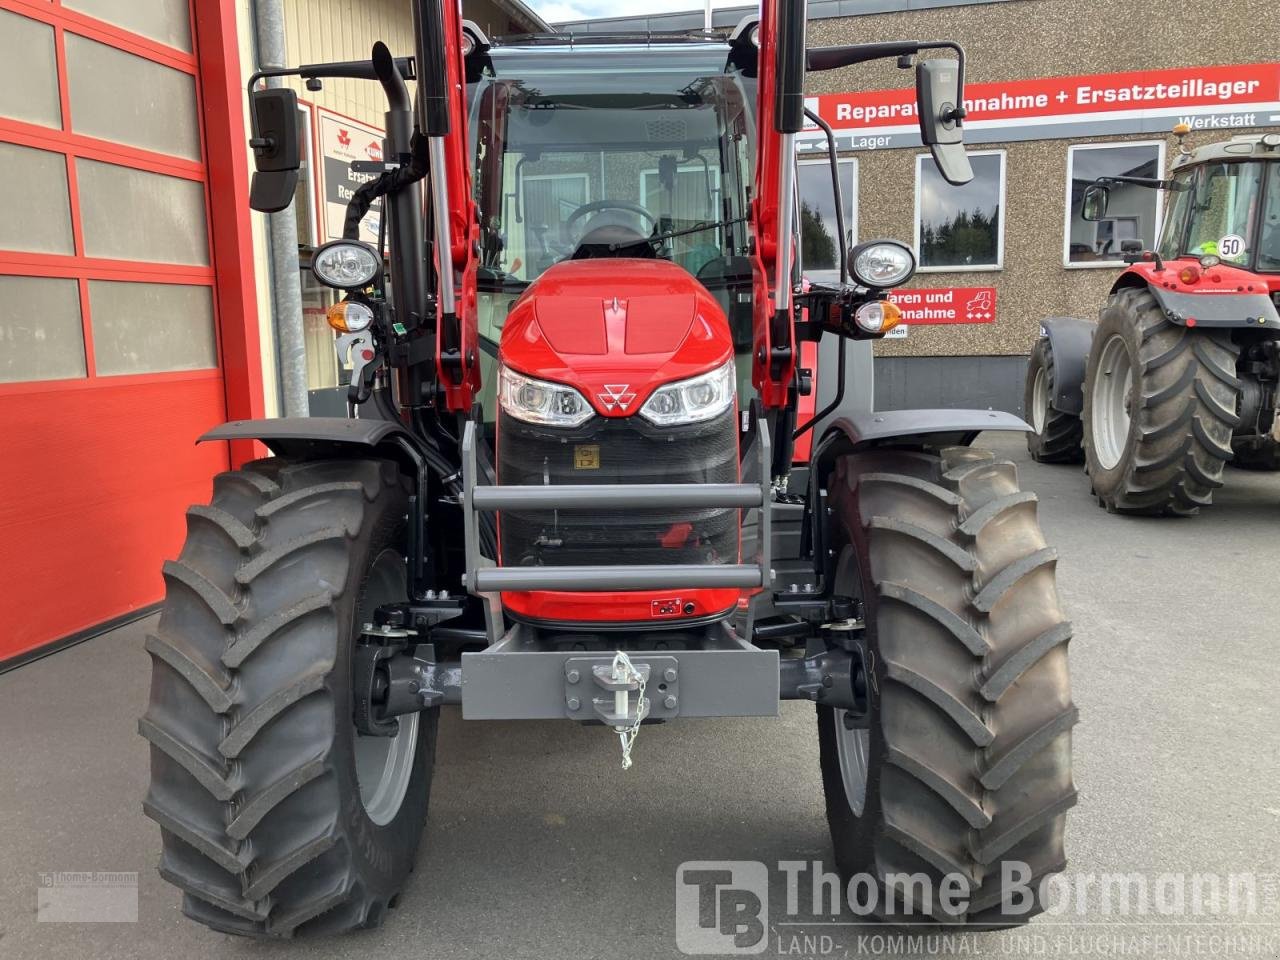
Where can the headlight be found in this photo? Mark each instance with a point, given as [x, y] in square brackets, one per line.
[536, 401]
[693, 400]
[882, 264]
[346, 264]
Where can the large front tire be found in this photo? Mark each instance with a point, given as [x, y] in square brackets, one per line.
[1159, 407]
[276, 817]
[966, 766]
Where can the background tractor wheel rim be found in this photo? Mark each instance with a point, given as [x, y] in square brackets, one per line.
[853, 747]
[384, 765]
[1111, 390]
[1040, 400]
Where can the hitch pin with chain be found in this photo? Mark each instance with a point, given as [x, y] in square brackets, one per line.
[624, 671]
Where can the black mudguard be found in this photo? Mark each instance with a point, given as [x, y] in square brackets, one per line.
[1069, 339]
[312, 438]
[886, 428]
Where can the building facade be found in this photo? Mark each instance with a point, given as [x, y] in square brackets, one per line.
[1063, 91]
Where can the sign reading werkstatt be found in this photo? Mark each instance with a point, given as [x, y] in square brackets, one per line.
[1149, 101]
[341, 141]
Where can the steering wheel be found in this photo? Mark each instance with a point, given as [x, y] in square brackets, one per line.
[597, 205]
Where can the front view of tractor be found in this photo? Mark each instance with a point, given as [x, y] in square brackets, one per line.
[1179, 376]
[569, 489]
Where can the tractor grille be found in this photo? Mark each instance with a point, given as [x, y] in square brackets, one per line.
[616, 451]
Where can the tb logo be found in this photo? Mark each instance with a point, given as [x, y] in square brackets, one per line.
[722, 907]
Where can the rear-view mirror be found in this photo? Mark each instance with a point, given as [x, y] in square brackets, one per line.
[940, 102]
[277, 154]
[1094, 205]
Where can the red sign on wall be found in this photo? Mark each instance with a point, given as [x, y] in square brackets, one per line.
[946, 305]
[1218, 97]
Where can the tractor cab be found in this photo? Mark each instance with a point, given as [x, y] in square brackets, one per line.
[1225, 203]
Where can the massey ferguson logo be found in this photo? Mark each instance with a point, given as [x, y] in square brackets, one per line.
[617, 395]
[344, 138]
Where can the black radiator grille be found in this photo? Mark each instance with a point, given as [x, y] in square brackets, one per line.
[617, 451]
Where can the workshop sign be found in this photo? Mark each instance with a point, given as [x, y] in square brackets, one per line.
[340, 141]
[946, 305]
[1222, 98]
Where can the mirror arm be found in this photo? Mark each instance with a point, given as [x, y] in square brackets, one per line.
[346, 69]
[835, 189]
[831, 58]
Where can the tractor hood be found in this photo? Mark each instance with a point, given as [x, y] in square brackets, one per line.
[616, 330]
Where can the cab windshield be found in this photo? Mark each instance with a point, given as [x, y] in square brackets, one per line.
[1230, 210]
[610, 151]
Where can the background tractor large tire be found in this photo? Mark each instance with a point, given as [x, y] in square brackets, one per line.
[966, 765]
[1256, 453]
[1159, 408]
[276, 817]
[1057, 437]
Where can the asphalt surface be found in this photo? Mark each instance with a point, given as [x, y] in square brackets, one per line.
[538, 845]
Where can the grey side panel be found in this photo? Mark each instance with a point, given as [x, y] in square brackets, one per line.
[977, 382]
[1069, 339]
[1249, 311]
[883, 425]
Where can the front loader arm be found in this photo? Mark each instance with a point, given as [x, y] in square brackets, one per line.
[772, 213]
[452, 217]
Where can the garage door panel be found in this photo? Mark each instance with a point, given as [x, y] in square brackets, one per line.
[166, 21]
[77, 450]
[131, 214]
[113, 313]
[151, 327]
[118, 96]
[41, 333]
[111, 564]
[37, 218]
[28, 71]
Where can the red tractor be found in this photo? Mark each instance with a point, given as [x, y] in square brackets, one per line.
[1179, 375]
[569, 489]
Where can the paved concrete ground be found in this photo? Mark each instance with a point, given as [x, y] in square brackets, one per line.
[539, 846]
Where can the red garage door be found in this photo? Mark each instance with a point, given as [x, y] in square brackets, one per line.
[117, 317]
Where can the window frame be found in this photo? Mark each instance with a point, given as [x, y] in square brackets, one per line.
[851, 204]
[996, 267]
[1161, 201]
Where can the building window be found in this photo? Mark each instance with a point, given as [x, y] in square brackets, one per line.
[819, 249]
[1133, 212]
[960, 228]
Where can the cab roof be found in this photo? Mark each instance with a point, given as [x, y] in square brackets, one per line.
[1242, 147]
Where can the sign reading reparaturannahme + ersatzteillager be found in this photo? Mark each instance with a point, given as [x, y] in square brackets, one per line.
[1044, 108]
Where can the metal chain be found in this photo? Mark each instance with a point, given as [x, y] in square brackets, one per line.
[624, 669]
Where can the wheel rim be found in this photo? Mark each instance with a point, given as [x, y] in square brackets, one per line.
[384, 765]
[1112, 387]
[1040, 400]
[853, 747]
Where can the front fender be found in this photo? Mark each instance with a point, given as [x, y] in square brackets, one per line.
[310, 438]
[1069, 341]
[933, 427]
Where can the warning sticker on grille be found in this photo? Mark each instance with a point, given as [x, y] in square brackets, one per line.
[586, 456]
[669, 607]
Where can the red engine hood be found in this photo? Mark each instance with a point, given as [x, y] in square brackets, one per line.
[616, 330]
